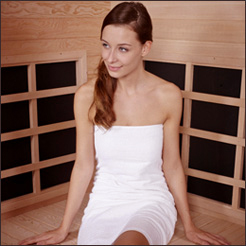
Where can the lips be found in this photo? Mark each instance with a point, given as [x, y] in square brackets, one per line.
[113, 68]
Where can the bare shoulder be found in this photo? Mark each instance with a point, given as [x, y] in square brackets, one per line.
[166, 91]
[85, 92]
[83, 100]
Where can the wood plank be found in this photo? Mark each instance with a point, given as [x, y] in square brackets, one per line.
[25, 209]
[212, 136]
[24, 47]
[199, 53]
[29, 224]
[215, 177]
[189, 71]
[37, 130]
[36, 166]
[54, 9]
[38, 94]
[219, 31]
[216, 209]
[205, 97]
[8, 240]
[15, 231]
[195, 10]
[27, 59]
[30, 199]
[49, 28]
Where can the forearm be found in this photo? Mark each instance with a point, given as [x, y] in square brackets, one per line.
[177, 185]
[79, 182]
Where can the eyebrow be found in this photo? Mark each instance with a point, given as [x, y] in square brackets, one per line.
[118, 44]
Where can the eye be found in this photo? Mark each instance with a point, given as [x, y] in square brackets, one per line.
[105, 45]
[123, 49]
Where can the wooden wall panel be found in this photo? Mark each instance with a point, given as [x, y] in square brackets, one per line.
[34, 27]
[201, 32]
[46, 9]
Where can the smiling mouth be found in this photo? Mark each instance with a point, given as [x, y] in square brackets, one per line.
[114, 69]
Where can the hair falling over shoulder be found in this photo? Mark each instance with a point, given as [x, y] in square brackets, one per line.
[137, 17]
[105, 87]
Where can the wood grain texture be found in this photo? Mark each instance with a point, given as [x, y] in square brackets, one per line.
[54, 9]
[194, 10]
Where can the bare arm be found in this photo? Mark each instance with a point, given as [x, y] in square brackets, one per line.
[174, 173]
[82, 170]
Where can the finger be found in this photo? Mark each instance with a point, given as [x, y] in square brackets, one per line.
[201, 241]
[210, 238]
[29, 240]
[220, 239]
[34, 240]
[46, 242]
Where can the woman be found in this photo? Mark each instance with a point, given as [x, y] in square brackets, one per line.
[129, 119]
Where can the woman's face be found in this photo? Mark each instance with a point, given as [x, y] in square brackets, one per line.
[121, 50]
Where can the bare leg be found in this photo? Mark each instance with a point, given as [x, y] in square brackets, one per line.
[131, 238]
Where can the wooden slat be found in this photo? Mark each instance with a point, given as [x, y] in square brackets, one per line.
[37, 165]
[200, 30]
[38, 94]
[239, 158]
[204, 97]
[212, 136]
[49, 28]
[30, 199]
[214, 177]
[53, 9]
[216, 209]
[195, 10]
[33, 111]
[37, 130]
[187, 115]
[12, 60]
[24, 47]
[199, 53]
[81, 71]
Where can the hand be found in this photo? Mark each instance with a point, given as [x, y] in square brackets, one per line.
[200, 237]
[51, 237]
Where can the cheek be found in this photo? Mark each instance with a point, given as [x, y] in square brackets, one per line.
[104, 54]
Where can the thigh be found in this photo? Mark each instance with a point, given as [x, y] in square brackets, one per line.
[131, 238]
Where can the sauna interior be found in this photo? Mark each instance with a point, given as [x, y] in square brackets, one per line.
[50, 48]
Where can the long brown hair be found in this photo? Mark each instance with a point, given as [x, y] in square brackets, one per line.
[137, 17]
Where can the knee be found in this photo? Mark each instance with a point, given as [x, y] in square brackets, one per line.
[131, 238]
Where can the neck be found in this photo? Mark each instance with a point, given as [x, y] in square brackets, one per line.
[133, 82]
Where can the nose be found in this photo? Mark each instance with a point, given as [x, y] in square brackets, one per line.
[112, 56]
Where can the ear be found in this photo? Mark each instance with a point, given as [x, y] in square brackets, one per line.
[146, 48]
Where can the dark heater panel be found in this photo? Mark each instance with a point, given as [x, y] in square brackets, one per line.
[16, 186]
[14, 80]
[55, 175]
[211, 156]
[15, 153]
[242, 201]
[55, 75]
[14, 116]
[209, 189]
[214, 117]
[57, 143]
[55, 109]
[217, 81]
[243, 177]
[171, 72]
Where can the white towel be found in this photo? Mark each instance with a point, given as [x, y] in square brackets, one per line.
[130, 191]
